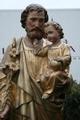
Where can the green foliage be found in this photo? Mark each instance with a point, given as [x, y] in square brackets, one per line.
[75, 87]
[71, 108]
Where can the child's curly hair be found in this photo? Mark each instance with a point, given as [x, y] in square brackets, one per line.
[57, 26]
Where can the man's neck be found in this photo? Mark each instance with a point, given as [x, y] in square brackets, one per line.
[31, 42]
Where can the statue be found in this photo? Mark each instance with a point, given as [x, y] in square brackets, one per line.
[21, 67]
[56, 72]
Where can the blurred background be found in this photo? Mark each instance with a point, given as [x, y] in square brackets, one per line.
[10, 27]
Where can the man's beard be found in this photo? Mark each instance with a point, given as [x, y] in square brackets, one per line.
[35, 34]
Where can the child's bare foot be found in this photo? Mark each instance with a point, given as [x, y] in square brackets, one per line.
[45, 96]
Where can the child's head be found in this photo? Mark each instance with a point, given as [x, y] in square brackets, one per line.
[53, 31]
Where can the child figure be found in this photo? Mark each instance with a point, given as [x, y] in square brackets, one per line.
[59, 58]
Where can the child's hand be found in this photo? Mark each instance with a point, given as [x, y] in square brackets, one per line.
[58, 59]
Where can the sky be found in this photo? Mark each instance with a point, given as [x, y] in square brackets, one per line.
[49, 4]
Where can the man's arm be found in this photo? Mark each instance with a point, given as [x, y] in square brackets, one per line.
[5, 100]
[8, 67]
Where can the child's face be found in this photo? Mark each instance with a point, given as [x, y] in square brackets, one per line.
[51, 33]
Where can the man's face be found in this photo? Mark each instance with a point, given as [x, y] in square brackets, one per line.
[35, 24]
[51, 33]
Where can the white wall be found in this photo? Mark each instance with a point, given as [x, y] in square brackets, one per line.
[68, 18]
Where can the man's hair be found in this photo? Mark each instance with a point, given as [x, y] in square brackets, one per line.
[30, 8]
[57, 26]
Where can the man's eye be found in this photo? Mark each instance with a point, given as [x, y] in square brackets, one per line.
[41, 20]
[50, 32]
[33, 19]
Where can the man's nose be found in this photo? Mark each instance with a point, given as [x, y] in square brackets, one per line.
[37, 24]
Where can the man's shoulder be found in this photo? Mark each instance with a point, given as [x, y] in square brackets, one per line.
[12, 51]
[15, 43]
[17, 40]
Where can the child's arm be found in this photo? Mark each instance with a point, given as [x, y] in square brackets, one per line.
[66, 58]
[42, 51]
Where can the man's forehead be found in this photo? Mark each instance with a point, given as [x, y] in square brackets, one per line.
[37, 13]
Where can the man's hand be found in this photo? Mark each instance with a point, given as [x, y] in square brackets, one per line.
[4, 113]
